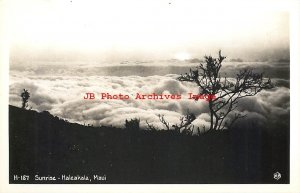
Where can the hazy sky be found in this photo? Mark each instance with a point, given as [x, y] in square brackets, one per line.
[142, 30]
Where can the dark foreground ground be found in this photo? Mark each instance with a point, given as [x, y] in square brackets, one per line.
[43, 147]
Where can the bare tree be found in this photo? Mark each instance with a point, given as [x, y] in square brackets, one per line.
[227, 91]
[151, 127]
[25, 95]
[185, 126]
[164, 122]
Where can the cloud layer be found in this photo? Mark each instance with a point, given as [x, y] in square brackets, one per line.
[63, 97]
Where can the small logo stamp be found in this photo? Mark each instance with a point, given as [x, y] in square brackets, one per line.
[277, 175]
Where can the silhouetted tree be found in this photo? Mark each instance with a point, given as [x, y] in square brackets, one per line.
[25, 96]
[132, 124]
[227, 91]
[151, 127]
[185, 126]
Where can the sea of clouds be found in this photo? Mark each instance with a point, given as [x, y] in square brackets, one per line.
[61, 93]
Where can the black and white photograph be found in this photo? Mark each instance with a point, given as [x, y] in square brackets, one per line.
[149, 92]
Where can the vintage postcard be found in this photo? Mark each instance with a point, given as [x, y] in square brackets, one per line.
[185, 94]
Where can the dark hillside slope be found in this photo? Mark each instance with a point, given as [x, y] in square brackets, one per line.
[44, 145]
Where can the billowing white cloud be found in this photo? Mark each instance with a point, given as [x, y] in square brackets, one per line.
[63, 96]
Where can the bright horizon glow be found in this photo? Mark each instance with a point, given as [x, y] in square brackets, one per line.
[183, 56]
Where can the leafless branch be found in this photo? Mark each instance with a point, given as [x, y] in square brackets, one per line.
[208, 78]
[164, 122]
[151, 127]
[185, 125]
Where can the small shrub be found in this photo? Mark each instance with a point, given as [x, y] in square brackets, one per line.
[25, 95]
[132, 124]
